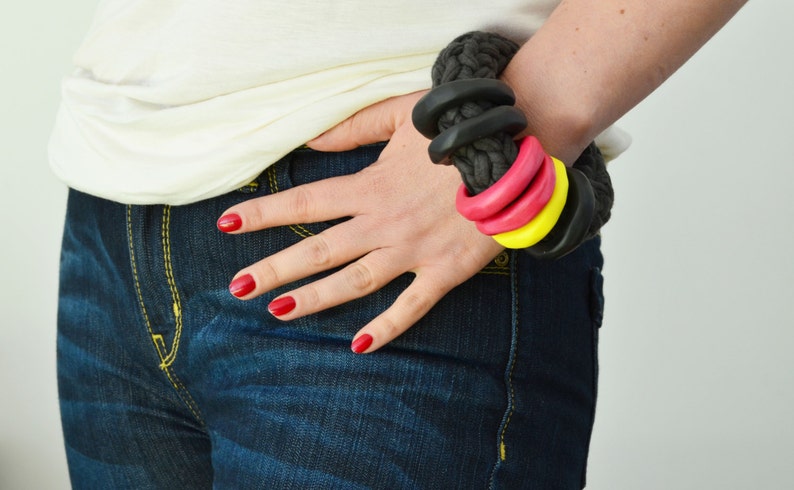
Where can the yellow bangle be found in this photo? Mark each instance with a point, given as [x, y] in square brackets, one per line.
[534, 231]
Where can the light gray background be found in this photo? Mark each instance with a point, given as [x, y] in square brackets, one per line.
[697, 381]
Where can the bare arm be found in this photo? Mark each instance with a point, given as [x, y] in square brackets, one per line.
[591, 62]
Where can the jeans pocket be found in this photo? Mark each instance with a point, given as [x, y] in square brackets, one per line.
[596, 317]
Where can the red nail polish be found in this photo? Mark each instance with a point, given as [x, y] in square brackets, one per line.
[242, 285]
[230, 222]
[361, 343]
[281, 306]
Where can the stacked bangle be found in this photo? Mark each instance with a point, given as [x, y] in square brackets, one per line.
[508, 188]
[527, 206]
[537, 228]
[574, 221]
[537, 204]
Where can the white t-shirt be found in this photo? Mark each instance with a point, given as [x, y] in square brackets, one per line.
[174, 101]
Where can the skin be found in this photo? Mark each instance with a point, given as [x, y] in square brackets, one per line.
[590, 63]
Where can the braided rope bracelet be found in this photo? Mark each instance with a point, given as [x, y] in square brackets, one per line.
[515, 193]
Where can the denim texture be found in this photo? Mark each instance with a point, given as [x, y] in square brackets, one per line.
[167, 381]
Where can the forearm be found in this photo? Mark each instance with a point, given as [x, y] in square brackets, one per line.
[591, 62]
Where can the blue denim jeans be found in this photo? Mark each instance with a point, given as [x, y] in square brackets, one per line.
[167, 381]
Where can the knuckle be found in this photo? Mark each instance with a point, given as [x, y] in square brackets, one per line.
[269, 273]
[254, 215]
[301, 204]
[390, 328]
[361, 278]
[416, 304]
[309, 298]
[318, 252]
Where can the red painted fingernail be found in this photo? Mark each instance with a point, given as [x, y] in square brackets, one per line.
[242, 285]
[361, 343]
[281, 306]
[230, 222]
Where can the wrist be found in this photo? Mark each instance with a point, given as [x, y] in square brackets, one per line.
[563, 125]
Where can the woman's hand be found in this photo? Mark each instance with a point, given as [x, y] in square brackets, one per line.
[403, 219]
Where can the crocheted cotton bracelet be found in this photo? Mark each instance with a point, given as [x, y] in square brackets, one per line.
[521, 196]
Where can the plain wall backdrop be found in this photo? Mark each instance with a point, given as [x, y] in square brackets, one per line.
[697, 377]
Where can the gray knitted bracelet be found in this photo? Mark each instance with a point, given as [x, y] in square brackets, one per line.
[473, 123]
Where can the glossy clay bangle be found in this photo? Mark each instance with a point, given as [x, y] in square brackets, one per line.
[501, 119]
[541, 225]
[527, 206]
[435, 103]
[507, 188]
[574, 222]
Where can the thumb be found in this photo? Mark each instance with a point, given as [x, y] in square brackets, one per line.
[372, 124]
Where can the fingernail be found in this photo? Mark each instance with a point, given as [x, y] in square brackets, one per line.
[281, 306]
[361, 343]
[242, 285]
[230, 222]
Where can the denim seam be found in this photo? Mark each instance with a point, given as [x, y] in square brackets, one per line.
[273, 182]
[169, 275]
[509, 369]
[176, 383]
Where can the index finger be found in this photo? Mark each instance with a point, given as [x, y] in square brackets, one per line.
[308, 203]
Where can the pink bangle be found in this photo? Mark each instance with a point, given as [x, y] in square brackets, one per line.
[507, 188]
[527, 206]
